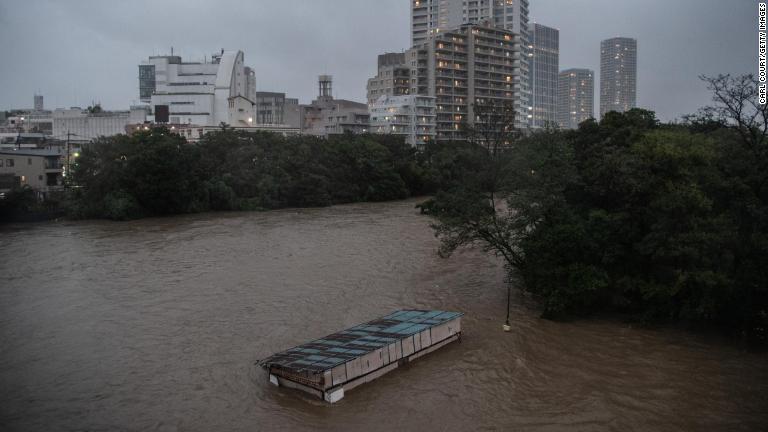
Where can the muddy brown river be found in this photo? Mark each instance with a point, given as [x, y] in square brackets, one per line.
[156, 325]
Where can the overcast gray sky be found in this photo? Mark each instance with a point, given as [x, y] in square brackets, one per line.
[77, 51]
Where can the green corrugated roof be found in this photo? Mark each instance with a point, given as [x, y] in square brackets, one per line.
[338, 348]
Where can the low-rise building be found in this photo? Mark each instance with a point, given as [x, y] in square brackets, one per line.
[39, 169]
[270, 108]
[292, 113]
[82, 126]
[193, 133]
[327, 116]
[410, 116]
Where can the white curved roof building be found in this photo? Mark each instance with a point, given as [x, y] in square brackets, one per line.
[202, 93]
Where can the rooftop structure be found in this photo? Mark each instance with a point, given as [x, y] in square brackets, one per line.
[329, 366]
[392, 78]
[326, 115]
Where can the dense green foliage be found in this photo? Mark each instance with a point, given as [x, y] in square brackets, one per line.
[22, 204]
[157, 173]
[665, 222]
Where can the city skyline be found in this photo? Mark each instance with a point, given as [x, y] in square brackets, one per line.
[290, 45]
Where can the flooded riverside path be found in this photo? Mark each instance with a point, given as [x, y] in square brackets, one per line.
[156, 325]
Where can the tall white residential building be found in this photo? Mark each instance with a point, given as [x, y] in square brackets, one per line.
[618, 75]
[431, 17]
[205, 94]
[545, 68]
[410, 116]
[576, 97]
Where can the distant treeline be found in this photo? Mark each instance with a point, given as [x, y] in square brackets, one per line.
[158, 173]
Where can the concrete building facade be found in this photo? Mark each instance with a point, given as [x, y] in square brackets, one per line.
[37, 168]
[410, 116]
[327, 116]
[545, 68]
[39, 105]
[292, 113]
[430, 18]
[82, 126]
[392, 78]
[270, 108]
[200, 93]
[576, 97]
[618, 75]
[470, 65]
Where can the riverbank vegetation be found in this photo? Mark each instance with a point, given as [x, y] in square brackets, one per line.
[665, 222]
[158, 173]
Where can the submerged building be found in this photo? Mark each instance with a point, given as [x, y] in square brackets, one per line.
[335, 364]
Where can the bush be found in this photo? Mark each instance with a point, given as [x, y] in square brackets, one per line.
[121, 205]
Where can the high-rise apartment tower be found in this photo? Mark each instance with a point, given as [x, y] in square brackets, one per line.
[545, 68]
[618, 75]
[430, 18]
[468, 66]
[575, 98]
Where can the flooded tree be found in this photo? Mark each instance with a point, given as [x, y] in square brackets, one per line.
[663, 222]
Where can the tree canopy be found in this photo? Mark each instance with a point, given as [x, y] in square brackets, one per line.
[666, 222]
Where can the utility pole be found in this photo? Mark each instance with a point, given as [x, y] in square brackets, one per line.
[507, 327]
[66, 181]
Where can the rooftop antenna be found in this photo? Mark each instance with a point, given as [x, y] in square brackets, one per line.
[171, 50]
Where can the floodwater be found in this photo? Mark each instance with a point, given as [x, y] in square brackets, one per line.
[156, 325]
